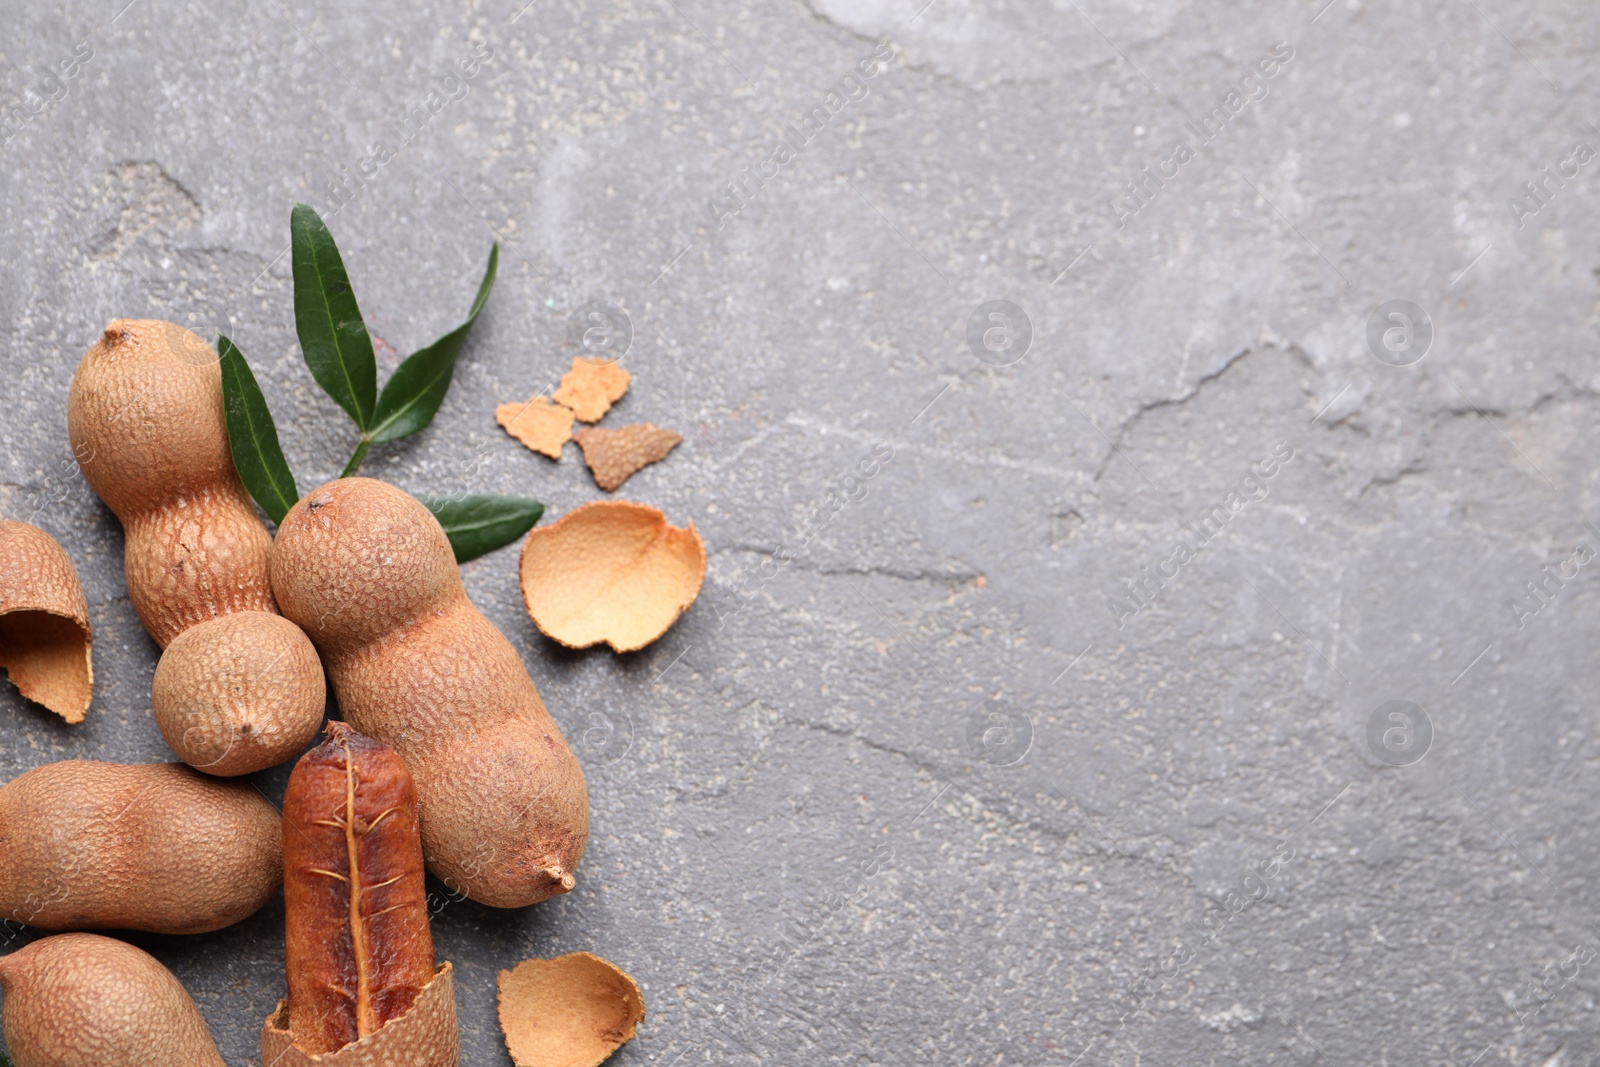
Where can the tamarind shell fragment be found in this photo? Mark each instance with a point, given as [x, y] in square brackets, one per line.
[44, 622]
[425, 1036]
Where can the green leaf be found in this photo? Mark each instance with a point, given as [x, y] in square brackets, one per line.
[252, 436]
[412, 396]
[482, 522]
[334, 339]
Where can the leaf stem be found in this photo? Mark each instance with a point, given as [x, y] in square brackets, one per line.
[360, 454]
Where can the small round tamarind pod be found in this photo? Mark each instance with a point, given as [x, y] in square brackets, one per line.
[146, 422]
[78, 999]
[239, 693]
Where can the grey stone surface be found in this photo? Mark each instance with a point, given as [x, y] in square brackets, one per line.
[814, 840]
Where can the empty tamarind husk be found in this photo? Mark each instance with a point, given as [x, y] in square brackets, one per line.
[570, 1011]
[44, 622]
[425, 1036]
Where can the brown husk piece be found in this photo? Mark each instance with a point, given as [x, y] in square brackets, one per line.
[611, 571]
[571, 1011]
[44, 622]
[616, 455]
[539, 424]
[425, 1036]
[590, 388]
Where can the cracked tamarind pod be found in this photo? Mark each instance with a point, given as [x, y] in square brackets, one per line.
[359, 951]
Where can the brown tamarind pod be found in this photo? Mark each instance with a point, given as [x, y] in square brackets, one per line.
[79, 999]
[367, 571]
[158, 847]
[359, 948]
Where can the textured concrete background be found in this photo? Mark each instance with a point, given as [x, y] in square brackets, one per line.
[942, 787]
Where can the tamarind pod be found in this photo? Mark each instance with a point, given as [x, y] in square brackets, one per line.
[79, 999]
[359, 949]
[367, 572]
[158, 847]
